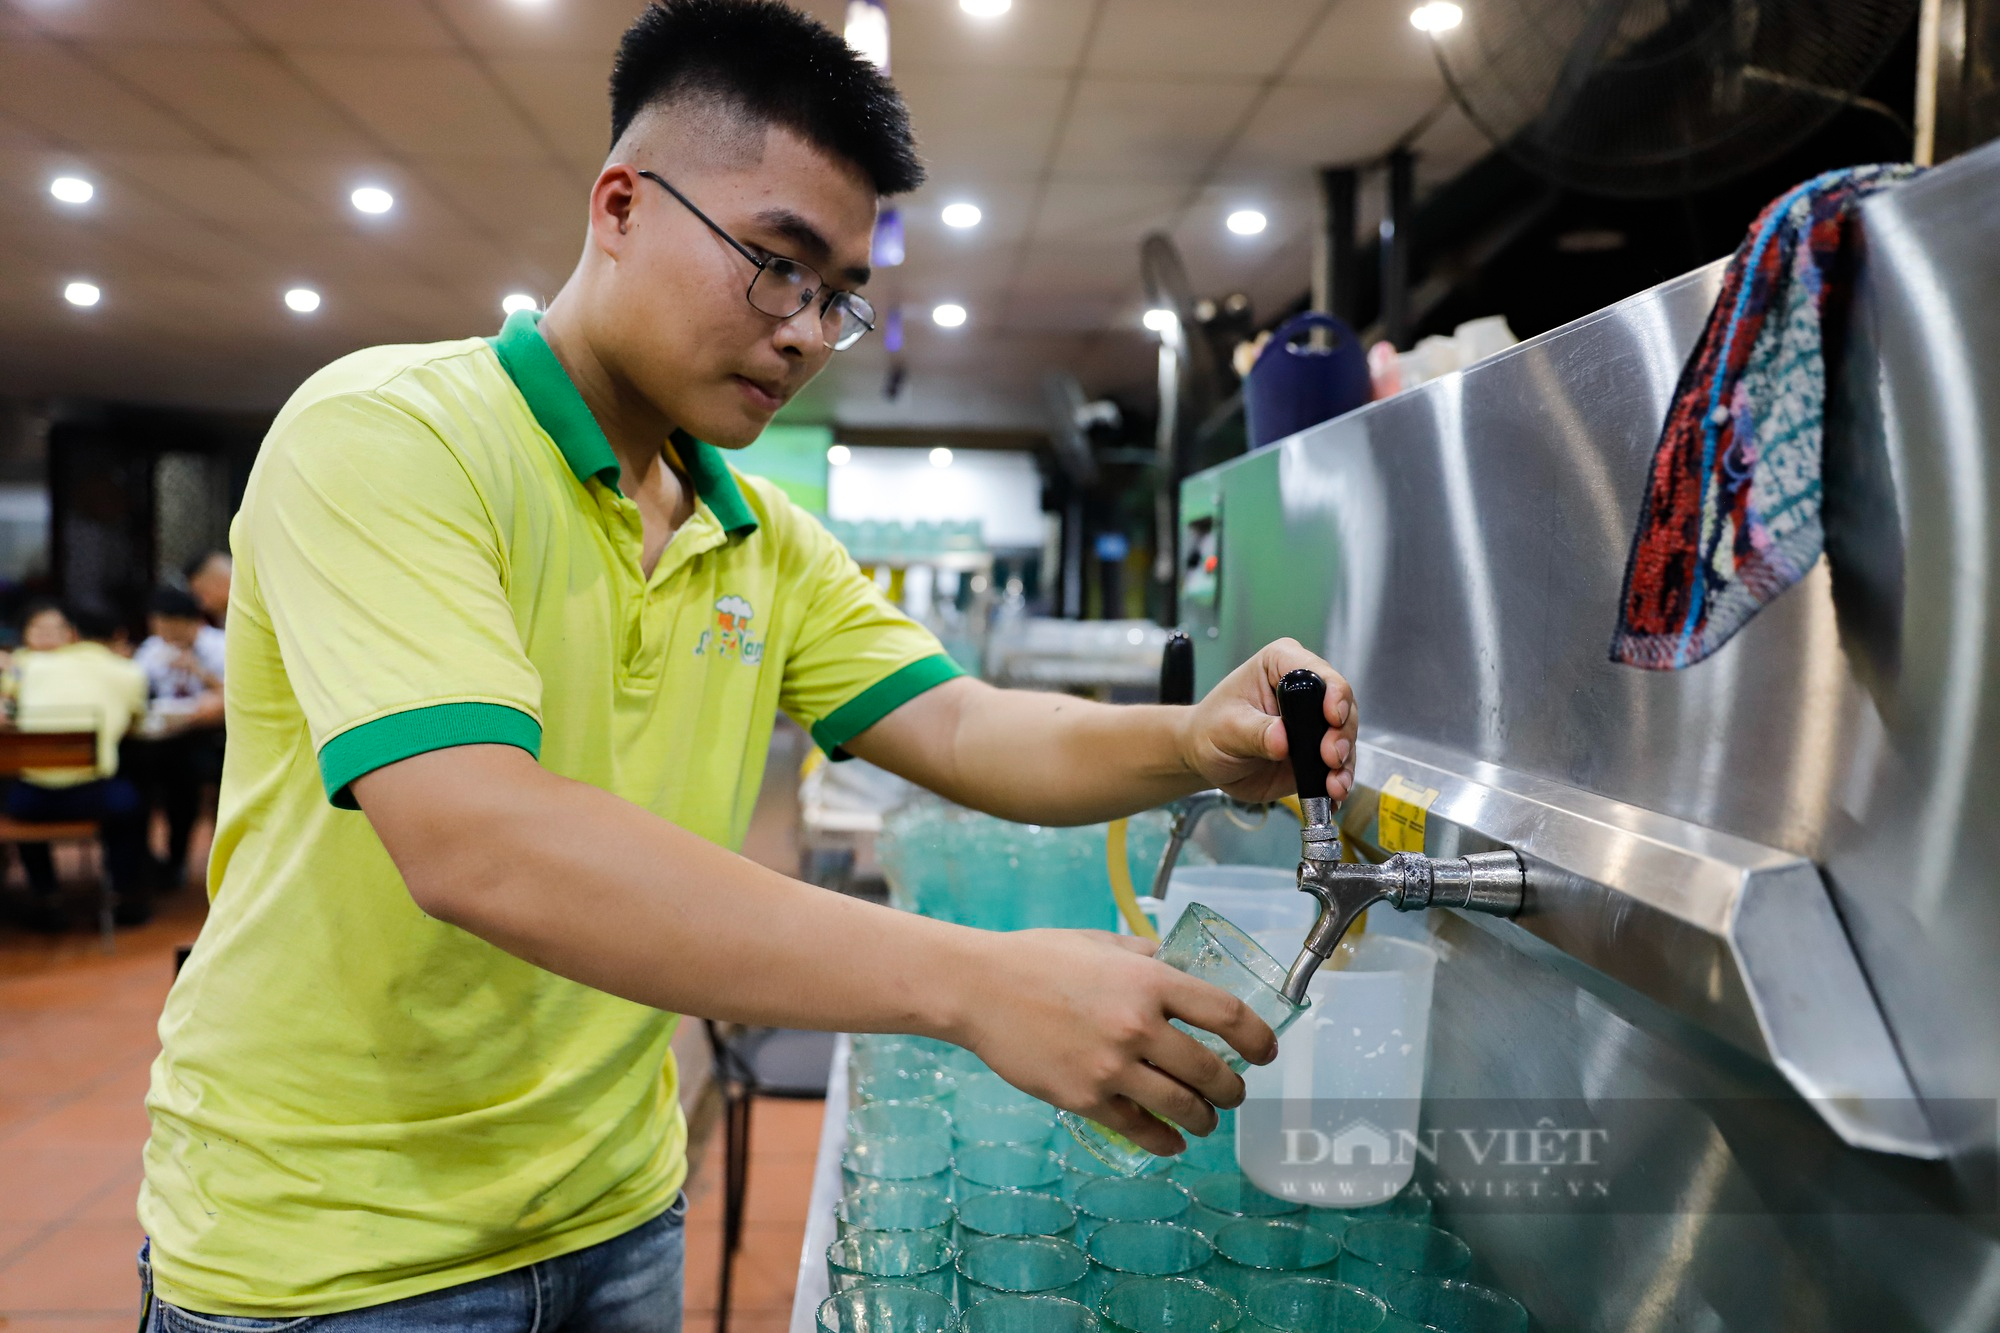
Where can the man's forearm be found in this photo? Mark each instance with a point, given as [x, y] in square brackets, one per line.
[586, 885]
[591, 887]
[1036, 757]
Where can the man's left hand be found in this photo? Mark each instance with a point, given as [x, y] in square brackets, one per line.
[1235, 739]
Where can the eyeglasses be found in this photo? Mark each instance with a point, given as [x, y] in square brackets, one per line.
[783, 287]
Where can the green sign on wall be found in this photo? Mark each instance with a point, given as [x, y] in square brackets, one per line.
[792, 456]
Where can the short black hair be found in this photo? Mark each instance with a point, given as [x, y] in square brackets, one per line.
[94, 624]
[176, 603]
[779, 67]
[200, 562]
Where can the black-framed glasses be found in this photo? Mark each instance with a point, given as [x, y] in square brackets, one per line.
[782, 287]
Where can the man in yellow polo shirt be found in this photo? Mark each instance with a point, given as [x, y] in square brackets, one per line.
[506, 642]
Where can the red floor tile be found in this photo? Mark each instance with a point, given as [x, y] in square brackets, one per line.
[82, 1267]
[94, 1121]
[46, 1187]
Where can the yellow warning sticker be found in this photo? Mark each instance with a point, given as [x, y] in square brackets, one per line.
[1403, 810]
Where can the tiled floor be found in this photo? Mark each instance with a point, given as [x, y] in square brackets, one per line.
[783, 1139]
[77, 1038]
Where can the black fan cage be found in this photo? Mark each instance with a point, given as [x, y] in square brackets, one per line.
[1650, 98]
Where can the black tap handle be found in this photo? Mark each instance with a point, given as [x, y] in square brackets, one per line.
[1177, 670]
[1302, 704]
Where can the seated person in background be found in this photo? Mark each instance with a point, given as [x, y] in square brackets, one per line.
[183, 660]
[68, 680]
[208, 576]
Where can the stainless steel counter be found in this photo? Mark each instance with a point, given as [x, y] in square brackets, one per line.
[812, 1285]
[1764, 910]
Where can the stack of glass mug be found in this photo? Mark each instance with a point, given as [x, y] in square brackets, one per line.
[942, 860]
[965, 1206]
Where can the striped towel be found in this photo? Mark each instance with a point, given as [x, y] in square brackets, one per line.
[1731, 516]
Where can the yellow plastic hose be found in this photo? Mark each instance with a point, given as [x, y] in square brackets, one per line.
[1120, 870]
[1119, 867]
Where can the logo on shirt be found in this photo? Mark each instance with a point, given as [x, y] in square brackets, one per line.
[731, 634]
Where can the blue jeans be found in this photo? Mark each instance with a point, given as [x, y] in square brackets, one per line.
[628, 1284]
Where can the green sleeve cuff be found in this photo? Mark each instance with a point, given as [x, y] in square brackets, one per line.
[372, 745]
[879, 700]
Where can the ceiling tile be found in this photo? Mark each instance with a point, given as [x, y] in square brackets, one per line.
[980, 123]
[355, 25]
[221, 189]
[159, 22]
[26, 167]
[440, 105]
[14, 134]
[44, 86]
[1035, 36]
[973, 271]
[1003, 202]
[1366, 41]
[568, 98]
[1301, 124]
[1100, 210]
[1149, 128]
[525, 206]
[1200, 38]
[1069, 313]
[211, 87]
[528, 27]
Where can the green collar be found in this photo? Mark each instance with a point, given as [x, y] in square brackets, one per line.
[561, 411]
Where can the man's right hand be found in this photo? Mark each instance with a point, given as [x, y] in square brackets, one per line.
[1079, 1018]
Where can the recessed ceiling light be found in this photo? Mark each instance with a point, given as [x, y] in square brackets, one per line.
[867, 31]
[961, 215]
[948, 315]
[1245, 222]
[839, 455]
[940, 457]
[513, 303]
[372, 199]
[1159, 319]
[1437, 16]
[72, 189]
[986, 9]
[302, 299]
[81, 293]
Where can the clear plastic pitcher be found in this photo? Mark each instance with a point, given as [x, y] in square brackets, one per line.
[1202, 945]
[1332, 1122]
[1256, 898]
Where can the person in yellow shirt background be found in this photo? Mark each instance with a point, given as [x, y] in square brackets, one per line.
[67, 678]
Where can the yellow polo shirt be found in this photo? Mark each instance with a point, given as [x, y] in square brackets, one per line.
[355, 1103]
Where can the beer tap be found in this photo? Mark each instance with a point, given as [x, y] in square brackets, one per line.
[1491, 882]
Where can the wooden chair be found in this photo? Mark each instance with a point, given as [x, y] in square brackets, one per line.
[21, 750]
